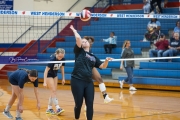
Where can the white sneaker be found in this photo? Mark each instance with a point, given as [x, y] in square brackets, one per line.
[108, 99]
[152, 12]
[121, 83]
[132, 88]
[157, 10]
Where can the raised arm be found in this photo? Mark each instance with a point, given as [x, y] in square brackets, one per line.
[77, 36]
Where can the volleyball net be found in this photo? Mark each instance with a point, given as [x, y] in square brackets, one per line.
[37, 34]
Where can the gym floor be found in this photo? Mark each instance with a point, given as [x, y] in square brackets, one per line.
[140, 105]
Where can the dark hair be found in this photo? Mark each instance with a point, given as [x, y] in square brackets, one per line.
[33, 73]
[113, 33]
[88, 38]
[155, 20]
[177, 22]
[162, 35]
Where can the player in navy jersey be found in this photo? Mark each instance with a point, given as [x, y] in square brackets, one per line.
[97, 77]
[81, 78]
[51, 80]
[17, 80]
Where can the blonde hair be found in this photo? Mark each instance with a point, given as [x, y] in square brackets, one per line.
[125, 43]
[60, 50]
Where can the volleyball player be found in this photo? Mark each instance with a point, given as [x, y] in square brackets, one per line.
[81, 78]
[97, 77]
[17, 80]
[51, 80]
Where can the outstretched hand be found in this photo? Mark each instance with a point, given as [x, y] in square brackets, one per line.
[72, 27]
[109, 59]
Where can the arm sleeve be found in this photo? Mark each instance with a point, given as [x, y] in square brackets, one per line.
[148, 24]
[35, 83]
[123, 54]
[174, 29]
[179, 44]
[166, 43]
[170, 41]
[106, 40]
[98, 62]
[157, 44]
[158, 23]
[77, 49]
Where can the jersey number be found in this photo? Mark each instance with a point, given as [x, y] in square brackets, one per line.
[57, 66]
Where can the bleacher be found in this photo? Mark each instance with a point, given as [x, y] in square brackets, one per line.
[147, 73]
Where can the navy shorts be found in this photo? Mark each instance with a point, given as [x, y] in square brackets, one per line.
[13, 82]
[51, 75]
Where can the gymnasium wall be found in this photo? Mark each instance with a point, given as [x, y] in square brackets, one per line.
[13, 26]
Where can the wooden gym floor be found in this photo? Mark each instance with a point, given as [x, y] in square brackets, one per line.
[140, 105]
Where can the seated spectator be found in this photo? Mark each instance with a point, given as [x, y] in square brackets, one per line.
[112, 43]
[177, 28]
[174, 47]
[153, 30]
[158, 3]
[161, 46]
[146, 6]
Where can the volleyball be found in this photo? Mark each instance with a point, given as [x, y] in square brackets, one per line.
[85, 15]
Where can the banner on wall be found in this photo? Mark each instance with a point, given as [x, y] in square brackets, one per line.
[77, 14]
[6, 4]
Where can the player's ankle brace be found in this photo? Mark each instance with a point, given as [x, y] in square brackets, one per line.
[102, 87]
[55, 101]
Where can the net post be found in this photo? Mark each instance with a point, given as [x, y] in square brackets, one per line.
[57, 28]
[75, 24]
[39, 50]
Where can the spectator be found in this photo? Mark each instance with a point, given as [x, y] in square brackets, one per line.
[127, 53]
[158, 4]
[153, 30]
[112, 43]
[146, 6]
[177, 28]
[162, 45]
[174, 47]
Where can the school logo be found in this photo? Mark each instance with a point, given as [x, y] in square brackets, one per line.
[57, 66]
[92, 58]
